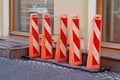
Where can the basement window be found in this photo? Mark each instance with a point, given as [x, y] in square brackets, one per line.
[111, 24]
[23, 8]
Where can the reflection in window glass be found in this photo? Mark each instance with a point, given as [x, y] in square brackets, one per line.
[111, 21]
[22, 11]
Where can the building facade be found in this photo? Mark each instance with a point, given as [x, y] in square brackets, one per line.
[1, 17]
[14, 19]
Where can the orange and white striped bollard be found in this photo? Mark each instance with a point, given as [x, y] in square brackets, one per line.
[46, 37]
[34, 40]
[93, 60]
[75, 55]
[61, 48]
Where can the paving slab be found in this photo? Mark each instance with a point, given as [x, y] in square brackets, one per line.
[13, 47]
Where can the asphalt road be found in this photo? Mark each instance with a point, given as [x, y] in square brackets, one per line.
[32, 70]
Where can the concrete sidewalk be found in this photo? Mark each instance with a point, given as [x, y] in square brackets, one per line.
[32, 70]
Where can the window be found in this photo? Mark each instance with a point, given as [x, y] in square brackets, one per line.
[111, 21]
[20, 11]
[23, 8]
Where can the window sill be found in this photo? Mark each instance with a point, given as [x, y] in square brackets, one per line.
[110, 45]
[20, 34]
[110, 55]
[17, 33]
[107, 54]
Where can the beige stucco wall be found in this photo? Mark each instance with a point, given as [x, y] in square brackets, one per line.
[70, 7]
[85, 23]
[1, 17]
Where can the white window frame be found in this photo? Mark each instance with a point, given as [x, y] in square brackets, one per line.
[91, 13]
[5, 17]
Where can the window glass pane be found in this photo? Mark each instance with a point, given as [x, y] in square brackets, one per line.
[111, 21]
[23, 8]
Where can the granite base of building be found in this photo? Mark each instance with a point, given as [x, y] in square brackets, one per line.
[15, 48]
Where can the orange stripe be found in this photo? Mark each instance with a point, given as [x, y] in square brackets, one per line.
[35, 20]
[76, 40]
[96, 42]
[76, 22]
[98, 22]
[48, 21]
[63, 37]
[64, 20]
[48, 37]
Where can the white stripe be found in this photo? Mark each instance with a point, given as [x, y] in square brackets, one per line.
[63, 48]
[48, 46]
[76, 30]
[35, 26]
[64, 29]
[96, 54]
[35, 44]
[47, 27]
[77, 51]
[97, 32]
